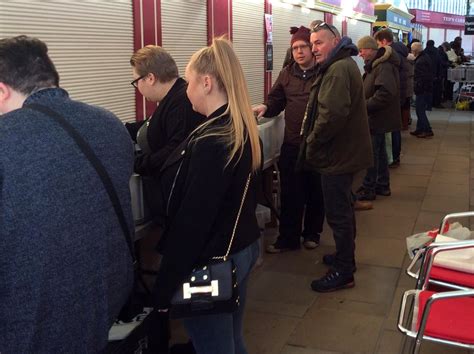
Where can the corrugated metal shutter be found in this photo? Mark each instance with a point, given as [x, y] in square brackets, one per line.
[337, 22]
[247, 23]
[424, 35]
[89, 42]
[284, 17]
[184, 29]
[355, 30]
[451, 34]
[437, 35]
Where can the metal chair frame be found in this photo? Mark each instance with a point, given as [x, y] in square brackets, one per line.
[428, 254]
[420, 334]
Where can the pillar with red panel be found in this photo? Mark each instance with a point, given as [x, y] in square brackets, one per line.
[147, 30]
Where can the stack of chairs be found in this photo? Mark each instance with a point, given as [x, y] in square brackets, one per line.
[441, 307]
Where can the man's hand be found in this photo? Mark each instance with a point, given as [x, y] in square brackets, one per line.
[260, 110]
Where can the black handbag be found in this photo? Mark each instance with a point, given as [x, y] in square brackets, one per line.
[212, 288]
[132, 307]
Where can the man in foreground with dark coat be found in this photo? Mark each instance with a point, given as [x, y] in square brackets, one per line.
[65, 268]
[336, 144]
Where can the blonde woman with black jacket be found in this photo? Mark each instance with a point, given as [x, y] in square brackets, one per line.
[203, 182]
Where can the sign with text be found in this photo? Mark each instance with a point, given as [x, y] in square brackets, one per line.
[469, 25]
[432, 19]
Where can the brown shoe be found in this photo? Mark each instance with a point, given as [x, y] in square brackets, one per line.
[363, 205]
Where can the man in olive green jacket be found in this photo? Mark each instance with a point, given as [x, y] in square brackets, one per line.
[336, 143]
[382, 92]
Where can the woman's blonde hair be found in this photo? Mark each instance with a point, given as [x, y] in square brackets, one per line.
[220, 61]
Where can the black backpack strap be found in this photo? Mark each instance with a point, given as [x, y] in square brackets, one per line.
[95, 162]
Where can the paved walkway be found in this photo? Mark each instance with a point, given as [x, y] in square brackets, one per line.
[285, 317]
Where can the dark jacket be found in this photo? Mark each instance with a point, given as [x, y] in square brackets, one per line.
[65, 268]
[424, 74]
[402, 52]
[445, 64]
[202, 208]
[290, 92]
[433, 53]
[411, 73]
[381, 87]
[336, 130]
[170, 124]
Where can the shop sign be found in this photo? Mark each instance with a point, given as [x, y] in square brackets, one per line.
[398, 19]
[469, 25]
[364, 7]
[437, 18]
[332, 2]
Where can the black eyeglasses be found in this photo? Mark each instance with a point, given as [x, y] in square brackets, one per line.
[324, 24]
[134, 83]
[299, 47]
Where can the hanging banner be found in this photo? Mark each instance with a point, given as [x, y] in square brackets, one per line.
[269, 28]
[469, 25]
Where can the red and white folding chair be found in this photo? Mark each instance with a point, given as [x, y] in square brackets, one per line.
[440, 274]
[444, 317]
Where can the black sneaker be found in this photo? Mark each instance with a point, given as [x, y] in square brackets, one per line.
[279, 246]
[332, 281]
[364, 194]
[415, 132]
[383, 191]
[330, 259]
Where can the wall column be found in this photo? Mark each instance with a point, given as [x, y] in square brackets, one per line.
[147, 30]
[219, 19]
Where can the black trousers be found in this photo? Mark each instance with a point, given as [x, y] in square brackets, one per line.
[301, 200]
[340, 216]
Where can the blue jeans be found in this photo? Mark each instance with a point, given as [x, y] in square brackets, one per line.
[338, 203]
[378, 175]
[422, 104]
[222, 333]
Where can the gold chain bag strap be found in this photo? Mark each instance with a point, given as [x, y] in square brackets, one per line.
[212, 288]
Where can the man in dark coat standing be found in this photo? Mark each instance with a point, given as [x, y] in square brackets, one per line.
[336, 144]
[385, 38]
[381, 87]
[435, 57]
[424, 74]
[303, 188]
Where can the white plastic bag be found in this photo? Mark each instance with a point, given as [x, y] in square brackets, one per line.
[417, 241]
[461, 260]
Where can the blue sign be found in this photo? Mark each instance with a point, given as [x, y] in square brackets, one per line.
[398, 19]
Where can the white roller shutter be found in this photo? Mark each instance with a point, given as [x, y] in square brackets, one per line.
[337, 22]
[424, 35]
[356, 30]
[90, 43]
[437, 35]
[184, 29]
[284, 17]
[247, 23]
[451, 34]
